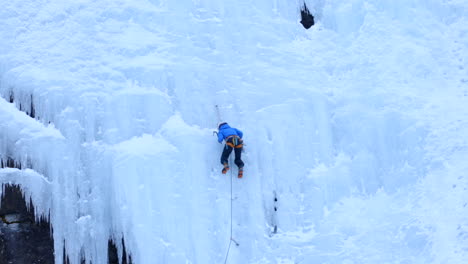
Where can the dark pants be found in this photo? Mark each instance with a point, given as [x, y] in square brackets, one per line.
[237, 154]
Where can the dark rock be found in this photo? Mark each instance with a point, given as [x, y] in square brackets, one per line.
[32, 110]
[12, 97]
[307, 19]
[113, 255]
[22, 240]
[113, 258]
[7, 162]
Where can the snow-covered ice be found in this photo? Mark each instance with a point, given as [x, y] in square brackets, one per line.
[359, 125]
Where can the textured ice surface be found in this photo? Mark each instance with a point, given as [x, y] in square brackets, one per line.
[358, 124]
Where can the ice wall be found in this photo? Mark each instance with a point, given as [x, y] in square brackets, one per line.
[356, 125]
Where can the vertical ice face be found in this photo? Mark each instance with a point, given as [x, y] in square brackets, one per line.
[356, 127]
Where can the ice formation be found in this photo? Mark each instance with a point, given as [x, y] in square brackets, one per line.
[358, 125]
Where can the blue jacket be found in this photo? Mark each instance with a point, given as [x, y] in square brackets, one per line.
[226, 131]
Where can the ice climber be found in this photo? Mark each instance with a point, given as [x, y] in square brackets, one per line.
[233, 138]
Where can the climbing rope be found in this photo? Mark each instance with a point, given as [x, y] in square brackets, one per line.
[230, 238]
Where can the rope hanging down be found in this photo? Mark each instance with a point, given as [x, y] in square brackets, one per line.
[230, 239]
[218, 115]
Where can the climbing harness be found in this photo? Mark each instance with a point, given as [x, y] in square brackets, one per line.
[234, 141]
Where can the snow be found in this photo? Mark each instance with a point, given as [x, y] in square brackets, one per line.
[357, 124]
[33, 186]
